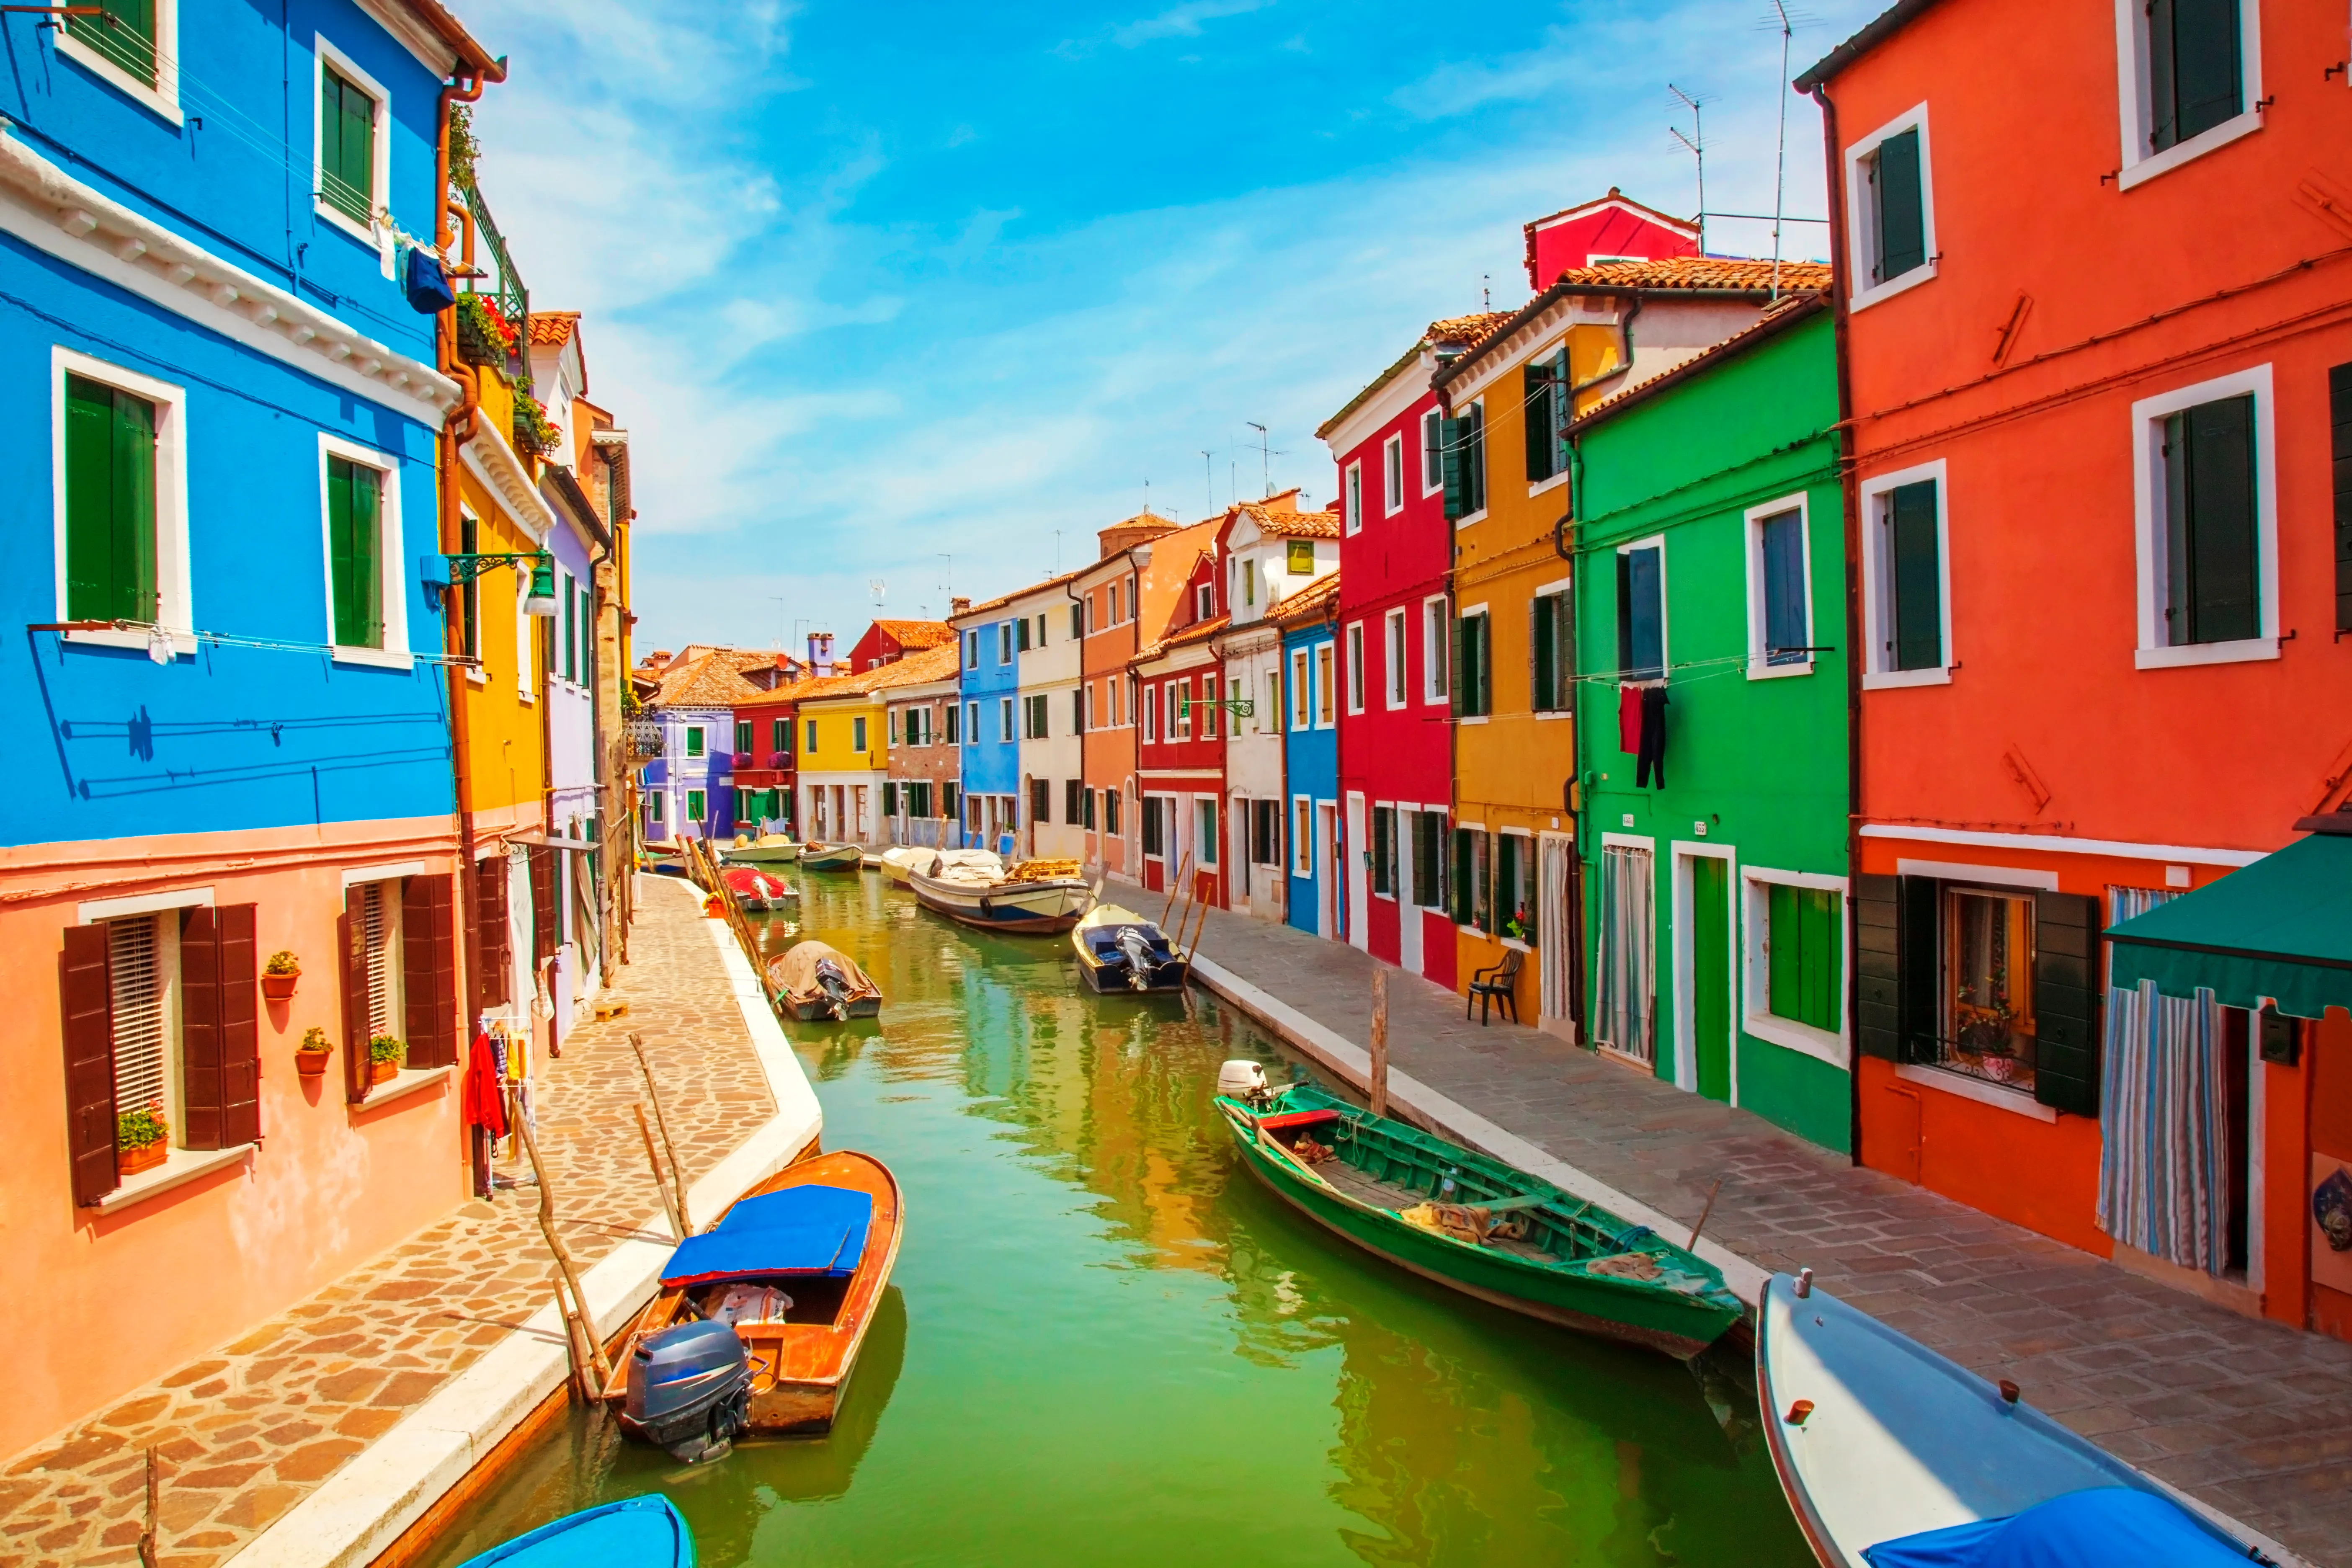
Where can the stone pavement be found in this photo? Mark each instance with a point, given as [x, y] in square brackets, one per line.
[2252, 1417]
[247, 1432]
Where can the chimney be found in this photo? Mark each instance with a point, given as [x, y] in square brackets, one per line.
[958, 606]
[820, 654]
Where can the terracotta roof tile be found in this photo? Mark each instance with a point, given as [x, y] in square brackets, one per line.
[1466, 329]
[1780, 313]
[1311, 603]
[935, 663]
[1700, 272]
[912, 634]
[553, 329]
[1285, 524]
[1197, 632]
[711, 681]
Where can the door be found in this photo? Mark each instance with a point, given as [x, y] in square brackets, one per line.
[1409, 891]
[1556, 954]
[1358, 884]
[1710, 976]
[1327, 869]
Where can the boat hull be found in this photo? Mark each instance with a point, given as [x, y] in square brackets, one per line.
[835, 857]
[760, 855]
[635, 1532]
[1109, 980]
[1032, 909]
[820, 1011]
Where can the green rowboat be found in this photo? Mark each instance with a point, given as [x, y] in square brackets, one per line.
[1498, 1233]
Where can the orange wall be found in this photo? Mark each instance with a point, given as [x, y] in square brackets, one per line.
[2043, 1176]
[199, 1264]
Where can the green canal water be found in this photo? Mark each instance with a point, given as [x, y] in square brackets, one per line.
[1105, 1342]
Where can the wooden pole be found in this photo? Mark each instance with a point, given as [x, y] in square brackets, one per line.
[1379, 1072]
[575, 1339]
[661, 1182]
[1174, 884]
[564, 1264]
[150, 1544]
[1703, 1214]
[676, 1173]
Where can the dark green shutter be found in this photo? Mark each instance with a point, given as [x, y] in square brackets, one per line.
[1916, 637]
[110, 503]
[346, 146]
[2196, 76]
[1473, 458]
[1537, 403]
[1784, 956]
[1877, 963]
[1455, 669]
[1902, 237]
[1461, 911]
[352, 502]
[1824, 971]
[1543, 652]
[1449, 446]
[1921, 999]
[2213, 581]
[124, 33]
[2066, 985]
[2339, 415]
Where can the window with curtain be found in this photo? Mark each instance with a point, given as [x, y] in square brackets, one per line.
[1987, 1023]
[109, 485]
[1625, 978]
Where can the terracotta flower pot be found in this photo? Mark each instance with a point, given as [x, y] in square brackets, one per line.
[383, 1072]
[146, 1157]
[311, 1063]
[278, 987]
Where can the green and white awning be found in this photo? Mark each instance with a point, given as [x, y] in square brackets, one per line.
[2280, 928]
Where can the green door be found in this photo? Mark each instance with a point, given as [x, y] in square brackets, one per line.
[1711, 977]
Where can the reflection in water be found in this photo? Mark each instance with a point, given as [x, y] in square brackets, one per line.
[1118, 1347]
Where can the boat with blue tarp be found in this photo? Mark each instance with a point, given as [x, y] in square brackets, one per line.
[634, 1532]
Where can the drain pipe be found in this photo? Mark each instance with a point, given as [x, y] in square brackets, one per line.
[1572, 790]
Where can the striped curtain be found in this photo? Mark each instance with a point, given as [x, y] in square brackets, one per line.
[1625, 981]
[2160, 1187]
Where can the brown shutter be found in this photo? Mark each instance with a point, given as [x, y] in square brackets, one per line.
[240, 1026]
[200, 1035]
[428, 969]
[86, 998]
[350, 949]
[542, 903]
[493, 961]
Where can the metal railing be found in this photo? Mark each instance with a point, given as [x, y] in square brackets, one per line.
[513, 298]
[645, 738]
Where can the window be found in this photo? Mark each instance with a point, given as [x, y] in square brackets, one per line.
[1021, 634]
[1474, 659]
[1041, 801]
[1473, 886]
[1081, 699]
[1384, 851]
[1151, 712]
[470, 593]
[1436, 637]
[693, 739]
[1299, 695]
[744, 804]
[1118, 703]
[1266, 832]
[694, 812]
[743, 736]
[142, 967]
[654, 806]
[351, 153]
[972, 650]
[1891, 208]
[1082, 804]
[1204, 601]
[1804, 966]
[971, 723]
[1302, 558]
[2191, 80]
[1356, 667]
[1906, 597]
[1464, 440]
[1514, 886]
[1642, 613]
[1154, 835]
[857, 732]
[1111, 811]
[1780, 597]
[109, 472]
[1245, 577]
[355, 552]
[1432, 452]
[1302, 836]
[1270, 712]
[1179, 715]
[1206, 851]
[124, 37]
[2208, 556]
[1546, 386]
[572, 652]
[1114, 604]
[1005, 642]
[1553, 647]
[1392, 475]
[1987, 1025]
[1041, 628]
[948, 805]
[1325, 687]
[1428, 857]
[1078, 608]
[1033, 717]
[1005, 719]
[810, 748]
[1355, 497]
[1395, 655]
[1209, 706]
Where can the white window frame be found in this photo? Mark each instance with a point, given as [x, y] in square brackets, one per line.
[1395, 652]
[1877, 587]
[1356, 695]
[1755, 1015]
[1657, 542]
[163, 98]
[1007, 733]
[1003, 642]
[1860, 216]
[371, 235]
[971, 649]
[1436, 621]
[1302, 696]
[2138, 164]
[1393, 475]
[1302, 845]
[1352, 494]
[2149, 521]
[393, 571]
[1325, 708]
[1757, 669]
[971, 723]
[174, 603]
[1432, 441]
[1484, 486]
[1151, 711]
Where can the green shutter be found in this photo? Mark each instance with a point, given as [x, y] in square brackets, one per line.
[1465, 902]
[1902, 237]
[2066, 981]
[1824, 969]
[124, 32]
[1537, 401]
[2212, 579]
[1449, 447]
[1473, 458]
[110, 503]
[1916, 637]
[346, 146]
[354, 548]
[1454, 667]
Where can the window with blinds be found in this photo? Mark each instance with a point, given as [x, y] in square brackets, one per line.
[138, 964]
[377, 917]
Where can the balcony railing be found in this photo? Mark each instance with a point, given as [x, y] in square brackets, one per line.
[1997, 1057]
[644, 737]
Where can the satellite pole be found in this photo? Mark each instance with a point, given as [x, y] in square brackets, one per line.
[1780, 155]
[1697, 143]
[1265, 459]
[1209, 484]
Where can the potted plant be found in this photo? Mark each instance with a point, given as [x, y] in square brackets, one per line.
[485, 336]
[311, 1056]
[384, 1056]
[534, 432]
[142, 1139]
[279, 975]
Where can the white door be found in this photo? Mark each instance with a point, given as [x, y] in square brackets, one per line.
[1358, 892]
[1409, 896]
[1556, 951]
[1327, 869]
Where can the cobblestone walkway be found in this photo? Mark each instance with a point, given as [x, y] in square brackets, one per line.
[247, 1432]
[2254, 1418]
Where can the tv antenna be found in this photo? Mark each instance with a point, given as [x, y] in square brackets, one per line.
[1209, 483]
[1697, 143]
[776, 599]
[1780, 152]
[874, 586]
[1266, 456]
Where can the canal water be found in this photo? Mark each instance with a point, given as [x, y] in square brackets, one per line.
[1105, 1342]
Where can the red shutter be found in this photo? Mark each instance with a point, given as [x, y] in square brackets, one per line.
[351, 952]
[429, 971]
[240, 1027]
[542, 903]
[493, 961]
[200, 1035]
[86, 997]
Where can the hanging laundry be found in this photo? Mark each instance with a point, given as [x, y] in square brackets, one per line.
[1653, 751]
[1629, 720]
[485, 1105]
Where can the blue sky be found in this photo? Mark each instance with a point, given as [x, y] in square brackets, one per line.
[896, 294]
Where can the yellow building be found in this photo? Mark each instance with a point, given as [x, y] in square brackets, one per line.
[845, 756]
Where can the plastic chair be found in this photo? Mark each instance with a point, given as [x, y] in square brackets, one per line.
[1496, 983]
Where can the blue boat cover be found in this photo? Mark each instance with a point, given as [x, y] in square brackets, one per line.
[811, 1229]
[2100, 1527]
[635, 1532]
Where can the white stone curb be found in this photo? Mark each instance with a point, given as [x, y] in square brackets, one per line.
[360, 1510]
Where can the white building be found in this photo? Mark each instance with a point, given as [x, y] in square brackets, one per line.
[1273, 552]
[1048, 626]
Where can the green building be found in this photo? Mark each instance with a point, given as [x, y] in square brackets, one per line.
[1709, 547]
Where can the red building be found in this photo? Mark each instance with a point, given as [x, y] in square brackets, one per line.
[1181, 745]
[1614, 228]
[886, 642]
[2094, 271]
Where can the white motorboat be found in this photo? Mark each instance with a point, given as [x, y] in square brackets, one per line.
[976, 887]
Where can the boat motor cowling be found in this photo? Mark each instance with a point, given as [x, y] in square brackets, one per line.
[689, 1390]
[1241, 1079]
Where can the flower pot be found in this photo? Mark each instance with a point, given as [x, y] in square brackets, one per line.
[311, 1063]
[146, 1157]
[476, 345]
[383, 1072]
[280, 987]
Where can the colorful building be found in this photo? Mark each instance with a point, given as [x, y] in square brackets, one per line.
[2098, 388]
[689, 784]
[844, 757]
[1180, 774]
[990, 685]
[923, 732]
[1309, 700]
[1048, 624]
[1110, 590]
[1615, 228]
[886, 642]
[231, 731]
[1709, 564]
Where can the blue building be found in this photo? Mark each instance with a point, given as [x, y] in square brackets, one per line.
[1312, 675]
[990, 687]
[219, 553]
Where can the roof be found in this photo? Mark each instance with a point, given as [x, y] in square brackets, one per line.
[1463, 329]
[1777, 317]
[939, 662]
[463, 43]
[713, 680]
[910, 635]
[1615, 198]
[1197, 632]
[553, 329]
[1287, 523]
[1876, 31]
[1001, 600]
[2280, 928]
[1313, 603]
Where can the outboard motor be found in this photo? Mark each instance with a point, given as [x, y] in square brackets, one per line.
[1243, 1081]
[835, 983]
[1139, 962]
[689, 1390]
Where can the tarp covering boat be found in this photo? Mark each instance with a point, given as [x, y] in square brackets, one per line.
[2095, 1529]
[635, 1532]
[798, 968]
[800, 1230]
[758, 889]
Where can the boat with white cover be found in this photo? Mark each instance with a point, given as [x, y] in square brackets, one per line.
[976, 887]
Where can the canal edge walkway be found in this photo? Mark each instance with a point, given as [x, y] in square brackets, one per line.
[2248, 1422]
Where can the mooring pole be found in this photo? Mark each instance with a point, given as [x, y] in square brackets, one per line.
[1380, 1065]
[150, 1546]
[676, 1173]
[564, 1264]
[661, 1182]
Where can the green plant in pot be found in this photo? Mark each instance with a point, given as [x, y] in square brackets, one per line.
[384, 1056]
[311, 1056]
[142, 1138]
[279, 975]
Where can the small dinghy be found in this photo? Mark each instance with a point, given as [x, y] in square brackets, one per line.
[767, 849]
[1894, 1457]
[1119, 951]
[1473, 1223]
[635, 1532]
[832, 857]
[903, 860]
[761, 1318]
[1037, 898]
[758, 891]
[811, 981]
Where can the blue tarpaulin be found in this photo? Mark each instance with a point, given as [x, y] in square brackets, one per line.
[635, 1532]
[2102, 1526]
[805, 1231]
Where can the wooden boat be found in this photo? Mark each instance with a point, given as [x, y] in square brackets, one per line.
[1478, 1225]
[1119, 952]
[635, 1532]
[800, 1364]
[768, 849]
[974, 885]
[757, 890]
[832, 857]
[1878, 1439]
[811, 981]
[903, 860]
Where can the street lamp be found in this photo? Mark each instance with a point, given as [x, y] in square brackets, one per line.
[540, 601]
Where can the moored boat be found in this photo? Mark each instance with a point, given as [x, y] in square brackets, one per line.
[634, 1532]
[811, 981]
[768, 849]
[830, 856]
[1119, 951]
[1888, 1450]
[1471, 1222]
[901, 861]
[757, 890]
[1041, 898]
[794, 1270]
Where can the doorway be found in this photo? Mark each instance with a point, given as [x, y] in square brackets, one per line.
[1358, 892]
[1710, 1014]
[1409, 891]
[1327, 869]
[1556, 954]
